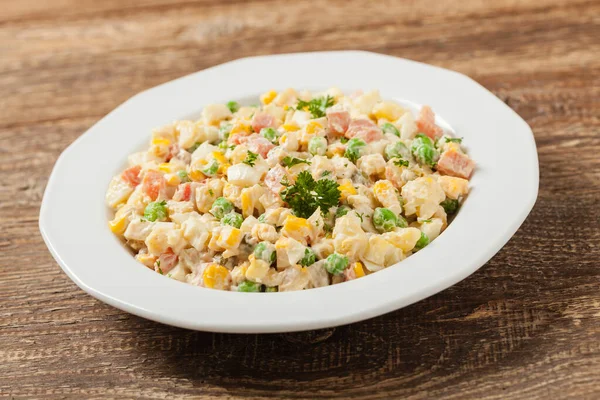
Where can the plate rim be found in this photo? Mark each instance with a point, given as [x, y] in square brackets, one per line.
[258, 326]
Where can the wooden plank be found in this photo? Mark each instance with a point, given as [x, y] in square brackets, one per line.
[526, 325]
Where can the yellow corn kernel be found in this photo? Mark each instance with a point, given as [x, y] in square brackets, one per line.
[346, 189]
[312, 127]
[172, 179]
[220, 157]
[161, 141]
[387, 110]
[215, 276]
[358, 269]
[296, 228]
[295, 223]
[166, 167]
[335, 151]
[247, 203]
[234, 237]
[283, 139]
[223, 168]
[268, 97]
[241, 127]
[381, 188]
[196, 175]
[290, 127]
[117, 225]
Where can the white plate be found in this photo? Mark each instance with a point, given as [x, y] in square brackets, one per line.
[73, 216]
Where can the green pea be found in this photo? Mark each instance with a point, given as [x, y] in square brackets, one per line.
[422, 242]
[341, 211]
[396, 150]
[271, 289]
[336, 263]
[384, 219]
[309, 258]
[317, 146]
[233, 219]
[223, 146]
[220, 207]
[389, 128]
[354, 148]
[157, 210]
[424, 150]
[224, 131]
[450, 206]
[183, 176]
[265, 251]
[402, 222]
[233, 106]
[212, 168]
[250, 287]
[270, 134]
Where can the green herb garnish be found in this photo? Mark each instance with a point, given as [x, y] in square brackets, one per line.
[400, 162]
[291, 161]
[316, 106]
[453, 140]
[306, 195]
[250, 158]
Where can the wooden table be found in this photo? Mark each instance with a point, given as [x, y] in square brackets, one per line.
[525, 326]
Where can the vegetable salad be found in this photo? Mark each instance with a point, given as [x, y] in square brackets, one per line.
[302, 191]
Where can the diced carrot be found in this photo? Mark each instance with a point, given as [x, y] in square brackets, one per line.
[132, 175]
[153, 183]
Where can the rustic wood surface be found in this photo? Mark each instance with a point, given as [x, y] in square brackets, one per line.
[525, 326]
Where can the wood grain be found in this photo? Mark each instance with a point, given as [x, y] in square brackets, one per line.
[525, 326]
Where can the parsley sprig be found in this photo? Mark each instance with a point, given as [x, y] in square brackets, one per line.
[306, 195]
[316, 106]
[250, 158]
[291, 161]
[453, 140]
[400, 162]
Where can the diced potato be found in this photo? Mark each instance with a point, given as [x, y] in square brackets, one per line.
[215, 113]
[118, 192]
[454, 187]
[403, 238]
[257, 270]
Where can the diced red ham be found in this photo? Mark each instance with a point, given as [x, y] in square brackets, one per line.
[132, 175]
[183, 192]
[166, 261]
[426, 123]
[364, 129]
[257, 144]
[338, 121]
[263, 120]
[454, 163]
[274, 177]
[153, 184]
